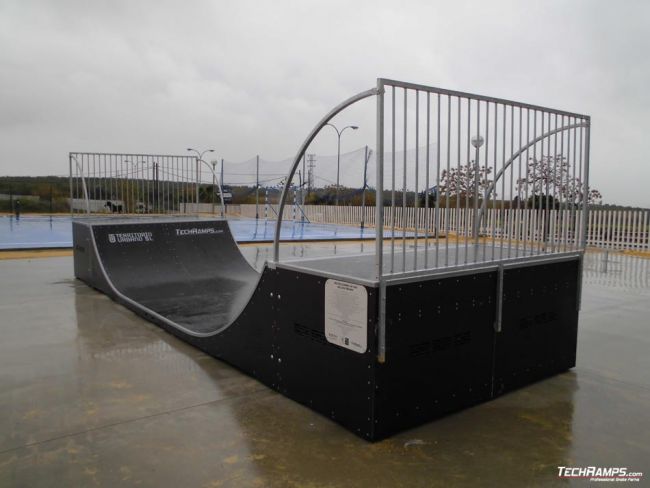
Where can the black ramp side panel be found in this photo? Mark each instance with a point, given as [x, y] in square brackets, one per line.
[189, 272]
[540, 324]
[439, 349]
[330, 379]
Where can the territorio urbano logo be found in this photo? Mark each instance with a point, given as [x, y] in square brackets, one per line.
[130, 237]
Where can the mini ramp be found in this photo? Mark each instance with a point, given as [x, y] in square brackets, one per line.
[382, 342]
[189, 272]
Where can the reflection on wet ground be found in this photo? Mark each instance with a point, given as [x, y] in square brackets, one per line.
[90, 395]
[616, 270]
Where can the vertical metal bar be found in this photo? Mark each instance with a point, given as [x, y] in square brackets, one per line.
[448, 188]
[180, 161]
[392, 242]
[458, 171]
[128, 180]
[97, 171]
[91, 178]
[146, 187]
[143, 196]
[223, 203]
[562, 189]
[136, 183]
[526, 214]
[187, 165]
[101, 181]
[145, 183]
[171, 188]
[107, 179]
[167, 186]
[512, 172]
[71, 187]
[583, 230]
[120, 180]
[404, 183]
[379, 220]
[198, 182]
[437, 201]
[160, 184]
[573, 193]
[415, 190]
[98, 182]
[555, 182]
[257, 186]
[548, 186]
[468, 173]
[543, 178]
[586, 182]
[86, 178]
[175, 184]
[487, 169]
[426, 184]
[503, 183]
[518, 209]
[646, 232]
[632, 241]
[495, 208]
[533, 180]
[379, 200]
[76, 172]
[112, 176]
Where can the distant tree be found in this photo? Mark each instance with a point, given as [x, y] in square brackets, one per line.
[549, 179]
[460, 182]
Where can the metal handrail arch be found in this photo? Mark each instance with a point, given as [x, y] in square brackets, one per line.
[509, 162]
[298, 158]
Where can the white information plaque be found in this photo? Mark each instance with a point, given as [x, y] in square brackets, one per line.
[346, 315]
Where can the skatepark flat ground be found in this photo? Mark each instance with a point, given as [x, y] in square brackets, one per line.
[93, 395]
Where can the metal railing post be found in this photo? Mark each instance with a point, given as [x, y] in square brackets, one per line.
[585, 191]
[379, 225]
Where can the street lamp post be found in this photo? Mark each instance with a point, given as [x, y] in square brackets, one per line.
[199, 155]
[214, 184]
[477, 142]
[365, 185]
[338, 154]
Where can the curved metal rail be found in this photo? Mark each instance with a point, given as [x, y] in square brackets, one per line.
[299, 155]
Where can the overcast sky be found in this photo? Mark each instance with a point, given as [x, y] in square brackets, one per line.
[253, 77]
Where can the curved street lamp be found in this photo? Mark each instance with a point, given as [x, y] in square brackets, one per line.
[338, 154]
[477, 142]
[199, 155]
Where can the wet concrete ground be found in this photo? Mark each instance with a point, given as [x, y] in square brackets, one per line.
[92, 395]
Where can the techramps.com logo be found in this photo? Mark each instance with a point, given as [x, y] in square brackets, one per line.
[130, 237]
[615, 474]
[195, 231]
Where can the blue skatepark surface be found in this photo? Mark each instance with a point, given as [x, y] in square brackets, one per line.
[31, 232]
